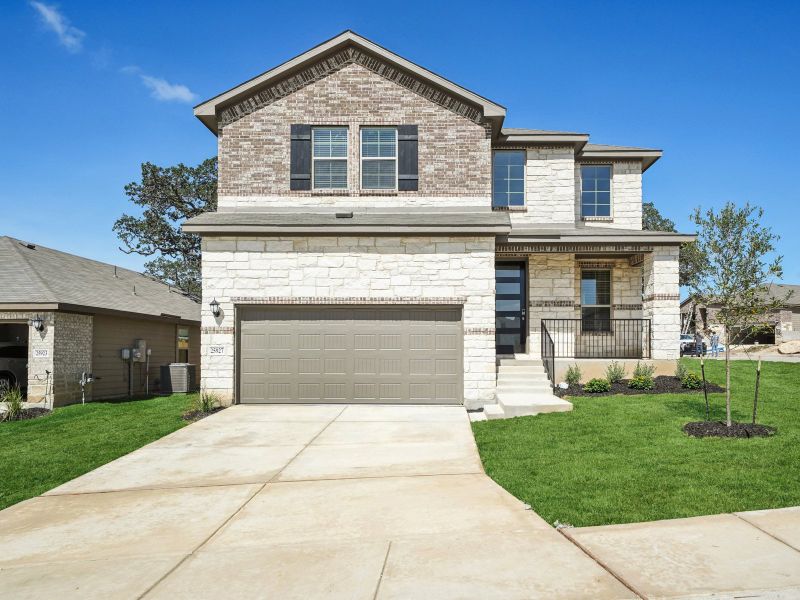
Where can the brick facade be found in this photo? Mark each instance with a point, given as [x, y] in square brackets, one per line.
[454, 151]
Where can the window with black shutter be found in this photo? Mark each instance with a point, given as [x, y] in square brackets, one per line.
[300, 158]
[407, 158]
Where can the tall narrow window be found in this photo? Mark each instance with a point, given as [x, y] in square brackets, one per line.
[596, 300]
[508, 178]
[379, 158]
[596, 191]
[183, 344]
[329, 157]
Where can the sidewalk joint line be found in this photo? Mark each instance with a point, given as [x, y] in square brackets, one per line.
[772, 535]
[602, 563]
[383, 569]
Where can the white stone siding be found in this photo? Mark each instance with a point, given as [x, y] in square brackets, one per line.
[366, 201]
[362, 267]
[626, 195]
[661, 300]
[549, 187]
[554, 288]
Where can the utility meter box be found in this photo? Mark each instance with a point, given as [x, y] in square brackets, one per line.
[139, 351]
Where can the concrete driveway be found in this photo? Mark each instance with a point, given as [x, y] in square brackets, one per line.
[295, 502]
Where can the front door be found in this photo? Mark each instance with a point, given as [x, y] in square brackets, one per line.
[510, 307]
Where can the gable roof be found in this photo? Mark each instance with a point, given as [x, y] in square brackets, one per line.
[33, 274]
[603, 151]
[775, 291]
[207, 111]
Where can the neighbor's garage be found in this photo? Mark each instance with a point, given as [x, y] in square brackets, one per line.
[342, 354]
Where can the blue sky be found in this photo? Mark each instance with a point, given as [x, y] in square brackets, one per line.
[92, 89]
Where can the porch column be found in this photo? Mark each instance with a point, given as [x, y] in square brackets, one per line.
[661, 301]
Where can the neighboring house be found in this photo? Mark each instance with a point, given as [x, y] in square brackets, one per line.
[779, 326]
[68, 315]
[381, 237]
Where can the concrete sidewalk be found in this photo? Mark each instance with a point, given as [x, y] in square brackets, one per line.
[295, 502]
[742, 555]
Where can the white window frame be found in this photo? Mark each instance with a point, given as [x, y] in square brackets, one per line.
[396, 158]
[610, 216]
[524, 152]
[314, 159]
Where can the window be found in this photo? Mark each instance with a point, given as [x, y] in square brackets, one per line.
[596, 300]
[183, 344]
[596, 191]
[329, 157]
[379, 158]
[508, 178]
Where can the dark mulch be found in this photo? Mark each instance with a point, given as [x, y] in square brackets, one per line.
[663, 384]
[720, 429]
[28, 413]
[196, 415]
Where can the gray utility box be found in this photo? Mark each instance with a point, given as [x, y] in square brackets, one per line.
[178, 377]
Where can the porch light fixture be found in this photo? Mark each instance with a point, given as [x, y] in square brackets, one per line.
[214, 307]
[38, 323]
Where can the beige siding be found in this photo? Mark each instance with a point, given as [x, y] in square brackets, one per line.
[111, 334]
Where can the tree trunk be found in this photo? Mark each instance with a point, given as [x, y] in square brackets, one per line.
[727, 377]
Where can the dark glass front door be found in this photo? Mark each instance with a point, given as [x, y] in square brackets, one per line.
[510, 314]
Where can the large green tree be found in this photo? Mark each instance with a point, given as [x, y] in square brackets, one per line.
[690, 257]
[167, 196]
[739, 265]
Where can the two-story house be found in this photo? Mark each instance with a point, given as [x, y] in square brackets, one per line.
[381, 237]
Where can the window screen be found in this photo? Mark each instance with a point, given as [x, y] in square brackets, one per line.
[379, 158]
[329, 154]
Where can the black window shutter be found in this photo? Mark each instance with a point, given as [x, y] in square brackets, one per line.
[300, 161]
[407, 158]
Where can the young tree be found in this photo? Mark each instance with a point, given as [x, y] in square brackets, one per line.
[168, 196]
[690, 259]
[737, 269]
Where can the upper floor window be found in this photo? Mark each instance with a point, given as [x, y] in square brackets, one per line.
[596, 191]
[329, 157]
[379, 158]
[508, 178]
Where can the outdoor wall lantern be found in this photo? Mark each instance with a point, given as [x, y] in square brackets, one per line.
[214, 307]
[38, 323]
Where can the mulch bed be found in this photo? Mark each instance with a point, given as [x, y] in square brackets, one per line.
[196, 415]
[719, 429]
[28, 413]
[663, 384]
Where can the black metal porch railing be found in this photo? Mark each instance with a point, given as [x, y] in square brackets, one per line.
[598, 338]
[548, 355]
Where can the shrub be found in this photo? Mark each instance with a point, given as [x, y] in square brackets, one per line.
[597, 386]
[691, 381]
[12, 400]
[615, 372]
[206, 402]
[641, 382]
[680, 371]
[574, 375]
[643, 370]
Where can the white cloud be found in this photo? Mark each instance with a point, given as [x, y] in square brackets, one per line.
[70, 37]
[161, 89]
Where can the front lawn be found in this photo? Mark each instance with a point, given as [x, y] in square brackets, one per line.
[40, 454]
[622, 459]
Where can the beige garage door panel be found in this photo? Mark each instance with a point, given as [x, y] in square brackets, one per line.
[392, 355]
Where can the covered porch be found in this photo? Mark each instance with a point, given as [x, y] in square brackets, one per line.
[588, 297]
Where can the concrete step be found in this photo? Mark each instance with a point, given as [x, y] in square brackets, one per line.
[520, 362]
[525, 389]
[522, 376]
[521, 368]
[531, 404]
[494, 411]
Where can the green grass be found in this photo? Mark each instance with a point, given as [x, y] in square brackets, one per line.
[622, 459]
[39, 454]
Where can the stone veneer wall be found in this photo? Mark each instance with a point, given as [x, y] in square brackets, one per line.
[554, 284]
[352, 270]
[626, 194]
[454, 151]
[661, 300]
[39, 388]
[72, 355]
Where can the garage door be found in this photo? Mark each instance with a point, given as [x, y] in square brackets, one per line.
[366, 354]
